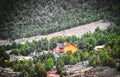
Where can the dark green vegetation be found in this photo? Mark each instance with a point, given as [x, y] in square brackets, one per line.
[87, 42]
[36, 67]
[25, 18]
[4, 58]
[40, 64]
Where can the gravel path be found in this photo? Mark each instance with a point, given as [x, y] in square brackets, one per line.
[78, 31]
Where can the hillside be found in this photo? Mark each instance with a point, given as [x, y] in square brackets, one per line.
[26, 18]
[67, 38]
[78, 31]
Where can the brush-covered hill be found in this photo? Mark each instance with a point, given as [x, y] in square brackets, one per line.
[25, 18]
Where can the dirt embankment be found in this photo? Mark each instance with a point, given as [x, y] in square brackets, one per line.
[78, 31]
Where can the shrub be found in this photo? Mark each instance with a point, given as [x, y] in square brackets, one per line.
[108, 61]
[60, 67]
[24, 73]
[38, 50]
[15, 52]
[49, 63]
[14, 45]
[40, 69]
[8, 47]
[5, 63]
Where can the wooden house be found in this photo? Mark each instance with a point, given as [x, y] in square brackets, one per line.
[63, 48]
[70, 47]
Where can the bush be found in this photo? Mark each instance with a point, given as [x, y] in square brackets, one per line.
[108, 61]
[49, 63]
[8, 47]
[44, 44]
[38, 50]
[4, 57]
[24, 73]
[15, 52]
[69, 58]
[60, 67]
[40, 69]
[94, 63]
[5, 63]
[14, 45]
[25, 53]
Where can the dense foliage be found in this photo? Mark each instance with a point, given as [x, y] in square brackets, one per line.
[45, 62]
[87, 42]
[24, 21]
[4, 58]
[36, 67]
[24, 18]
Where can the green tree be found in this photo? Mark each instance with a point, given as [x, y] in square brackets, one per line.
[60, 66]
[44, 44]
[49, 63]
[25, 51]
[40, 70]
[77, 55]
[32, 72]
[73, 39]
[69, 58]
[4, 57]
[97, 29]
[14, 45]
[8, 47]
[53, 43]
[39, 50]
[60, 39]
[73, 60]
[17, 67]
[15, 52]
[85, 55]
[108, 61]
[24, 73]
[88, 41]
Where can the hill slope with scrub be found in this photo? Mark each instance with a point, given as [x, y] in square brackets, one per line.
[26, 18]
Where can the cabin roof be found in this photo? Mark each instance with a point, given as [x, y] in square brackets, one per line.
[71, 44]
[60, 45]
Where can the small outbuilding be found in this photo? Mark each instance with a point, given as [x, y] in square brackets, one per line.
[99, 47]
